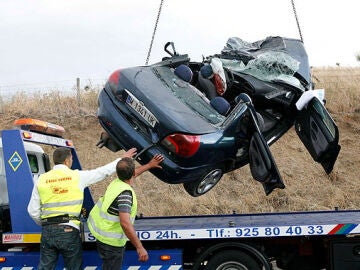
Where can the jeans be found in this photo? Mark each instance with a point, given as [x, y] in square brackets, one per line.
[111, 256]
[60, 239]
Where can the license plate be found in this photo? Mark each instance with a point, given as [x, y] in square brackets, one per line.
[139, 107]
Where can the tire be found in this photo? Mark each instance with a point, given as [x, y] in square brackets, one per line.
[232, 260]
[204, 184]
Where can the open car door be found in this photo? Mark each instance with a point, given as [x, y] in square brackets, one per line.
[262, 164]
[319, 133]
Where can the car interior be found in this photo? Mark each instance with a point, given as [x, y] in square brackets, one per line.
[236, 85]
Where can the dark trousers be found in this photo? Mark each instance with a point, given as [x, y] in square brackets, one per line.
[60, 239]
[111, 256]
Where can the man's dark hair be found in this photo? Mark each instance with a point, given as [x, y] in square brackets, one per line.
[125, 168]
[60, 154]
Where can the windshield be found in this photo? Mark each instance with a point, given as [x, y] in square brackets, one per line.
[272, 59]
[188, 95]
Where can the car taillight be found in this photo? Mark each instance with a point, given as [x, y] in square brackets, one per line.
[113, 81]
[182, 145]
[114, 77]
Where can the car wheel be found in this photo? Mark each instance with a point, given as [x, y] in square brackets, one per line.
[204, 184]
[232, 260]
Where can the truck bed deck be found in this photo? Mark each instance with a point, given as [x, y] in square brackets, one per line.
[342, 222]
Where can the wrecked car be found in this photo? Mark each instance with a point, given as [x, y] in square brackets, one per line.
[211, 117]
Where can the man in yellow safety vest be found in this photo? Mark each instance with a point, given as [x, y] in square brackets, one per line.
[111, 219]
[55, 204]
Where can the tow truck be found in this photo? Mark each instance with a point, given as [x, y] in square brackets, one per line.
[256, 241]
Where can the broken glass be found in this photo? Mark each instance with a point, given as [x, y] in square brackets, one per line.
[189, 95]
[268, 60]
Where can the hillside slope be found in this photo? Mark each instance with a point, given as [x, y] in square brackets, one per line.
[307, 185]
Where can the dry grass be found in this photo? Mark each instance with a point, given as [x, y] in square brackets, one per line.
[342, 86]
[307, 186]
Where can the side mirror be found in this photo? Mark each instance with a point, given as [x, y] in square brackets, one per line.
[46, 160]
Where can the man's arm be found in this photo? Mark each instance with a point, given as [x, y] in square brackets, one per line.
[88, 177]
[34, 208]
[130, 233]
[153, 163]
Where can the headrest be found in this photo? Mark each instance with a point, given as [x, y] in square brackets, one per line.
[184, 73]
[206, 71]
[221, 105]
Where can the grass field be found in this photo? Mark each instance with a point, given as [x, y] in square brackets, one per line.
[307, 185]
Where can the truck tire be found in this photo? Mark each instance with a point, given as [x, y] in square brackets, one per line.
[232, 260]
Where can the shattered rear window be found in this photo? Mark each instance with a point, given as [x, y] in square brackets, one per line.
[189, 95]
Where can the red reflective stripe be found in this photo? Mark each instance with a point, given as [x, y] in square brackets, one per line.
[338, 227]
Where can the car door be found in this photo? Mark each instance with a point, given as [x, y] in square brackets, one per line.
[319, 133]
[262, 164]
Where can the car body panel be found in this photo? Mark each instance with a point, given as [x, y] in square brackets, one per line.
[163, 96]
[181, 170]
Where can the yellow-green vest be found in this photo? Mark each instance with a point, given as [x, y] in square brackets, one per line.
[60, 193]
[106, 227]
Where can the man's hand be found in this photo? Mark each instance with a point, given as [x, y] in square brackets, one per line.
[153, 163]
[130, 153]
[142, 253]
[130, 232]
[156, 160]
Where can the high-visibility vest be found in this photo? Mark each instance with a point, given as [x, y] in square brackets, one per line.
[60, 193]
[106, 227]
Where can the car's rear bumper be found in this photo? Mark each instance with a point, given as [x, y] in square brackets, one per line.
[116, 125]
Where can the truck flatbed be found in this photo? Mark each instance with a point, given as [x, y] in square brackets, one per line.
[342, 222]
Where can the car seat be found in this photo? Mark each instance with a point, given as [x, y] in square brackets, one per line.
[184, 73]
[204, 81]
[220, 104]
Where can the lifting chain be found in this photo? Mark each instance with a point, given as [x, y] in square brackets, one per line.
[158, 17]
[153, 35]
[297, 20]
